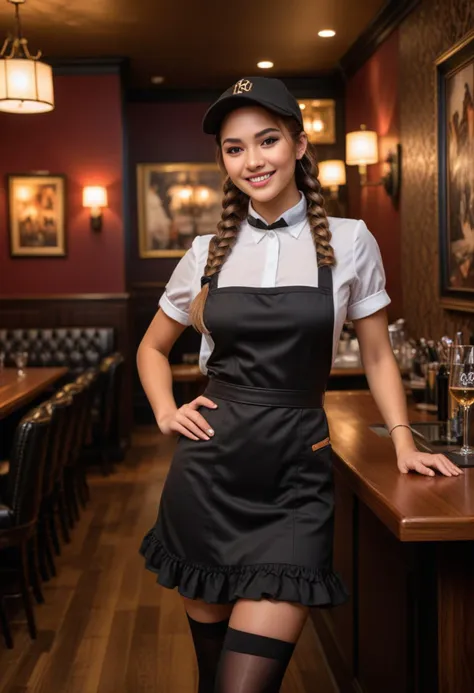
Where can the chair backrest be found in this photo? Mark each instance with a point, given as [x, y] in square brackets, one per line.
[112, 368]
[65, 403]
[59, 409]
[78, 392]
[27, 459]
[89, 380]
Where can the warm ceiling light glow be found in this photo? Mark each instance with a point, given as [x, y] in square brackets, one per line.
[265, 64]
[26, 83]
[302, 106]
[326, 33]
[332, 173]
[157, 79]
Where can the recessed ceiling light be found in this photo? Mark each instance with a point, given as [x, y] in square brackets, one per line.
[326, 33]
[265, 64]
[157, 79]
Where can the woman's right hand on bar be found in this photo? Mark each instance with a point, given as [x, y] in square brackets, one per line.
[187, 421]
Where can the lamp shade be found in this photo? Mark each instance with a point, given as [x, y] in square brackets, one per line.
[332, 173]
[94, 196]
[26, 86]
[361, 148]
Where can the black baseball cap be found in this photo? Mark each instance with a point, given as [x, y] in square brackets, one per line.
[268, 92]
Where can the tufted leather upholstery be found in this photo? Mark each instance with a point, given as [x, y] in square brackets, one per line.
[74, 347]
[20, 502]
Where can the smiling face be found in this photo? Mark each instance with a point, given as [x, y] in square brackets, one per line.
[260, 155]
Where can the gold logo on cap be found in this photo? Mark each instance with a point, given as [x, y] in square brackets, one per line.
[242, 86]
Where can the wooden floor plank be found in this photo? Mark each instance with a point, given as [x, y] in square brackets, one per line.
[106, 626]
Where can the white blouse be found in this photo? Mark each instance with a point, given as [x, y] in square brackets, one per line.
[286, 257]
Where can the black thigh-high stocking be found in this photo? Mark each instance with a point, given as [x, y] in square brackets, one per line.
[208, 639]
[252, 663]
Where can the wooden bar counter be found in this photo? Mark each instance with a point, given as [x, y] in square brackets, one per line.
[404, 545]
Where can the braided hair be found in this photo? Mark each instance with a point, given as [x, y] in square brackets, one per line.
[235, 210]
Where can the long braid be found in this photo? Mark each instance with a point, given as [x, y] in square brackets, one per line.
[234, 211]
[307, 181]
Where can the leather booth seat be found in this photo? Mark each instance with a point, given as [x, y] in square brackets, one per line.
[76, 348]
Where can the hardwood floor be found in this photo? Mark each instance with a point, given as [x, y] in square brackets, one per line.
[106, 627]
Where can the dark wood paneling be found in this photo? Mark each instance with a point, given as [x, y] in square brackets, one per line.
[382, 608]
[322, 86]
[376, 33]
[78, 310]
[456, 616]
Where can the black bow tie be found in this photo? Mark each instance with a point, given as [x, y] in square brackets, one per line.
[259, 224]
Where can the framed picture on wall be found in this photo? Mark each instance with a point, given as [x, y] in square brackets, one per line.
[176, 203]
[36, 215]
[455, 96]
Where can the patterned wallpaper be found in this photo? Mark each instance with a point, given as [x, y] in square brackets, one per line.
[431, 29]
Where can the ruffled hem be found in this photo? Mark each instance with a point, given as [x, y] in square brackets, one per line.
[226, 584]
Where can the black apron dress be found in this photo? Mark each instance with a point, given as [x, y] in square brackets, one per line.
[249, 513]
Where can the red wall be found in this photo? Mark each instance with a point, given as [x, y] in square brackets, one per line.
[372, 98]
[81, 138]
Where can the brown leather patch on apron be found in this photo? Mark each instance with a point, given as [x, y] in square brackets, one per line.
[321, 444]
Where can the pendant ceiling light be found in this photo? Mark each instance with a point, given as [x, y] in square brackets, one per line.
[26, 83]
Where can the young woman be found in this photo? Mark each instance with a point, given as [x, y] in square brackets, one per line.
[245, 524]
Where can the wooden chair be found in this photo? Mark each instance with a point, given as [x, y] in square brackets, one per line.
[19, 508]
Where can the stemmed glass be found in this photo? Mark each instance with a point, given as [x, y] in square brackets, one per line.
[21, 359]
[461, 387]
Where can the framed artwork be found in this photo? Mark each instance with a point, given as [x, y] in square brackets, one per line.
[176, 202]
[455, 101]
[319, 120]
[36, 206]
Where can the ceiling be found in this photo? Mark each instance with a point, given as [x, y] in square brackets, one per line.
[195, 44]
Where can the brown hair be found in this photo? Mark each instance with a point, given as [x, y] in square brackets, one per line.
[235, 209]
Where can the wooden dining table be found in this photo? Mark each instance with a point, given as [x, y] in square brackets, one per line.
[15, 392]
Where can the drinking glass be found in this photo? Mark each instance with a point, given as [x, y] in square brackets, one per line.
[21, 359]
[461, 387]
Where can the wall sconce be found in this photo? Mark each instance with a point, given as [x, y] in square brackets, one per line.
[95, 197]
[362, 151]
[332, 174]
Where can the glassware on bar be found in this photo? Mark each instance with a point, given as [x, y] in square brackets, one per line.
[461, 387]
[21, 359]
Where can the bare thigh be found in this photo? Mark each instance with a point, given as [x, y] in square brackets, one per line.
[207, 613]
[273, 619]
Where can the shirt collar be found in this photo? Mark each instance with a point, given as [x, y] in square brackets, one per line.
[294, 217]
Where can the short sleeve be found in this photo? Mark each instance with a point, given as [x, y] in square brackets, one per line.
[179, 291]
[368, 294]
